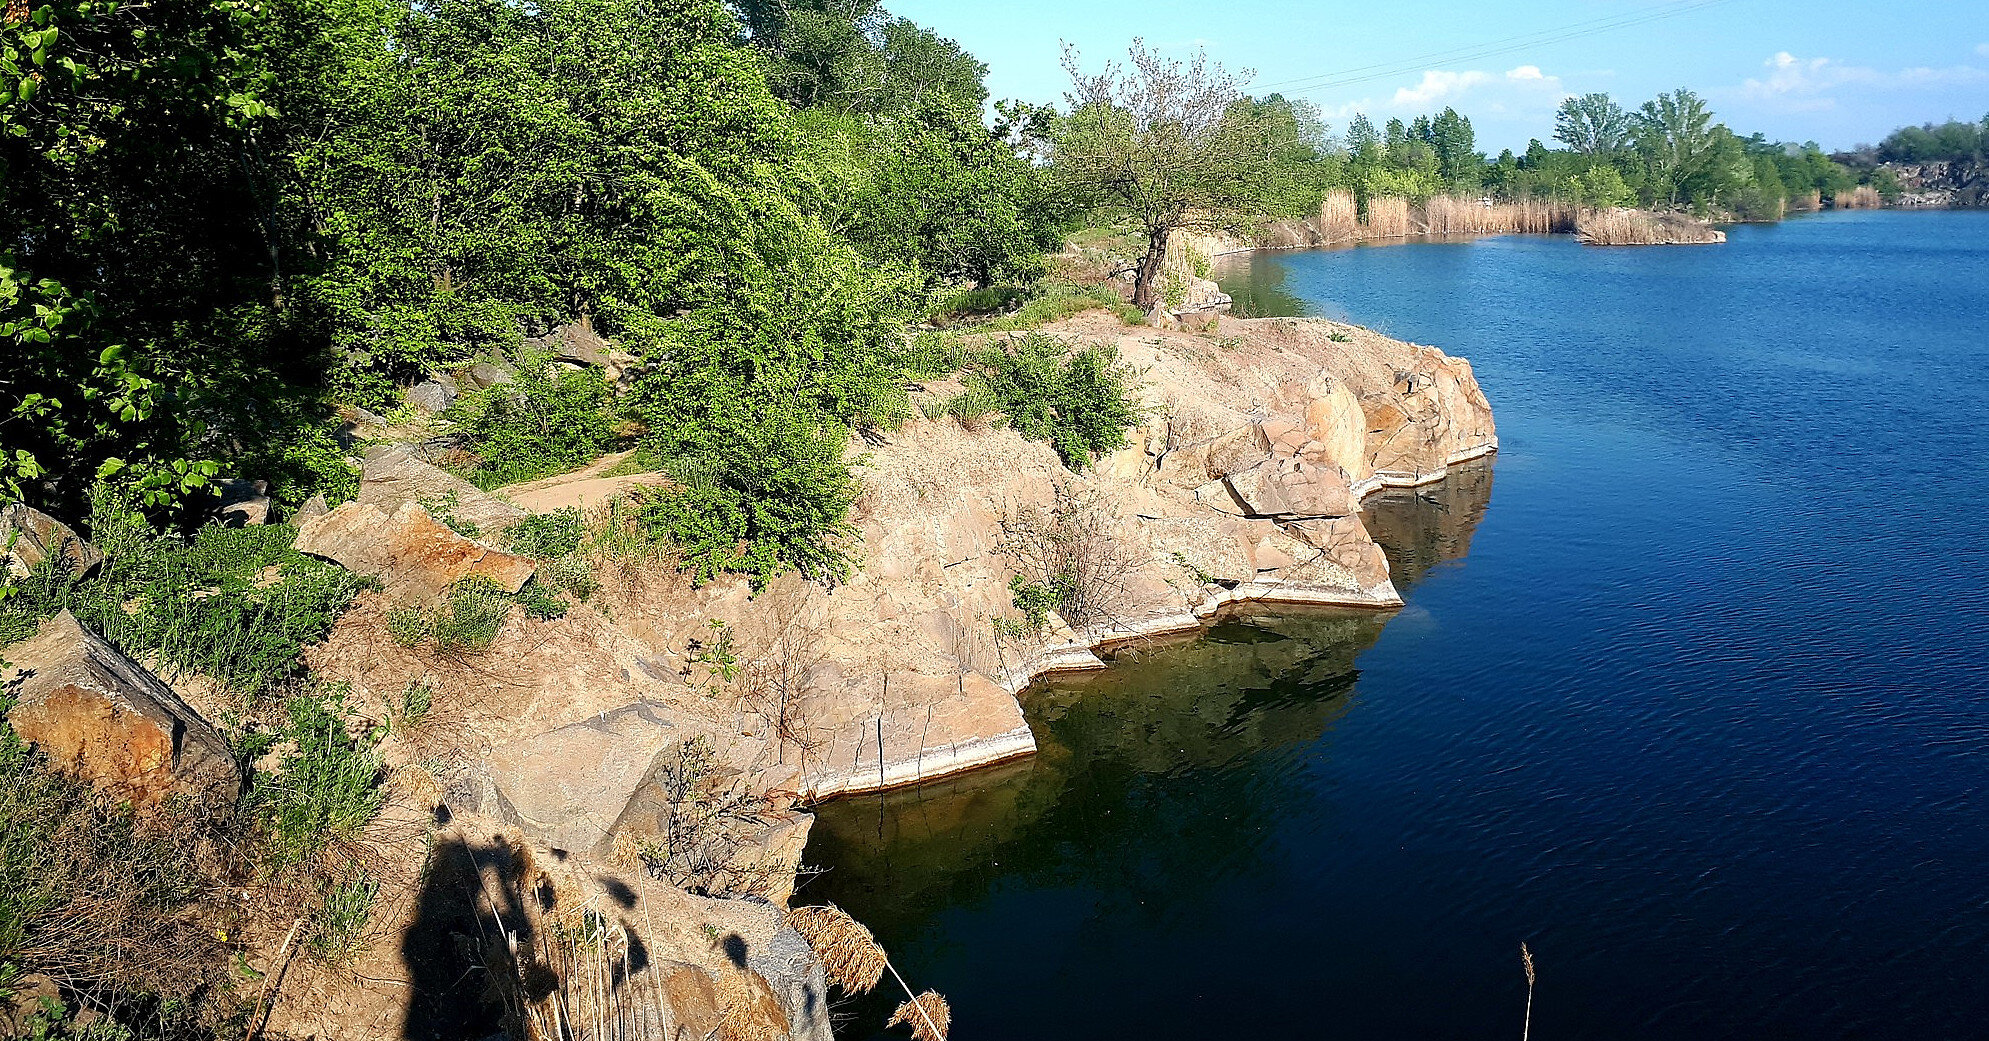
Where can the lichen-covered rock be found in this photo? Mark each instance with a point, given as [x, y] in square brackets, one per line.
[431, 395]
[100, 716]
[239, 503]
[28, 537]
[393, 475]
[414, 556]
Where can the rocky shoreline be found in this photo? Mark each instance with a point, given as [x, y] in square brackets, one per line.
[656, 718]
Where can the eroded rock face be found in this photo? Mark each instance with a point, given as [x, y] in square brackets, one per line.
[100, 716]
[28, 537]
[413, 555]
[569, 785]
[393, 475]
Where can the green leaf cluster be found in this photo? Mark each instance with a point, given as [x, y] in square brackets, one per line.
[1080, 402]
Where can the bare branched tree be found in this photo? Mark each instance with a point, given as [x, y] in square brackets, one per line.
[783, 653]
[1069, 555]
[1163, 143]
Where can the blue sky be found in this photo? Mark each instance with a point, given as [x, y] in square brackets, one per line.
[1830, 71]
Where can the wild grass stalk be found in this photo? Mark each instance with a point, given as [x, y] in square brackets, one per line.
[1526, 959]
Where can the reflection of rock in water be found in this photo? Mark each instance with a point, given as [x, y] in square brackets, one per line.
[1182, 745]
[1109, 787]
[1420, 528]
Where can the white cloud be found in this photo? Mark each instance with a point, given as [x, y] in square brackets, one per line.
[1522, 89]
[1808, 84]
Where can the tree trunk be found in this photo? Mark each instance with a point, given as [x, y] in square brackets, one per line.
[1146, 285]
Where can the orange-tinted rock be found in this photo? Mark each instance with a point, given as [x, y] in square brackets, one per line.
[28, 537]
[413, 555]
[100, 716]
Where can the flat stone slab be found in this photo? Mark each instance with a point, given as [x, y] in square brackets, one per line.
[414, 556]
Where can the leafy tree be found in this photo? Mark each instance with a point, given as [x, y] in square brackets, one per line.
[140, 282]
[1454, 143]
[1592, 125]
[1162, 144]
[1674, 134]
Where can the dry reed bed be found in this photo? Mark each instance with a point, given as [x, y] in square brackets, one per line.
[1641, 228]
[1863, 197]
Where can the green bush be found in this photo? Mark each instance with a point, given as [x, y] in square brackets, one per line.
[548, 535]
[327, 789]
[548, 420]
[1078, 402]
[775, 498]
[979, 302]
[540, 602]
[339, 924]
[469, 617]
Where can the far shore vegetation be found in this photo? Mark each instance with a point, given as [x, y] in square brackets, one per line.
[235, 236]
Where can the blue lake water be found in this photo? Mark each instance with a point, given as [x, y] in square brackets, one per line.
[1691, 693]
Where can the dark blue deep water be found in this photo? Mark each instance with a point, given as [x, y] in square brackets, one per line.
[1691, 694]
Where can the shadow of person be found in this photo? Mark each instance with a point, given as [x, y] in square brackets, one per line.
[469, 901]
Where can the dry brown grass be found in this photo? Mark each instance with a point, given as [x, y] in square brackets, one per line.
[748, 1010]
[1454, 215]
[1863, 197]
[1339, 217]
[928, 1015]
[1387, 218]
[1807, 203]
[850, 956]
[1620, 227]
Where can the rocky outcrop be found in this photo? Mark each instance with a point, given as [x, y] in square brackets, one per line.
[29, 538]
[100, 716]
[414, 556]
[393, 475]
[1241, 486]
[1940, 184]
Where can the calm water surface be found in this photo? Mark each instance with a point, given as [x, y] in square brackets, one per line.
[1691, 693]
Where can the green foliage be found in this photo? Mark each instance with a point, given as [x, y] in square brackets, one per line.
[236, 604]
[339, 924]
[978, 303]
[773, 497]
[327, 788]
[1952, 141]
[547, 536]
[1079, 402]
[540, 602]
[1061, 302]
[548, 420]
[466, 621]
[1036, 601]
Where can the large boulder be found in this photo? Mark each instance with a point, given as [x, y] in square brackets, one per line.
[100, 716]
[1286, 488]
[431, 395]
[393, 475]
[28, 537]
[568, 786]
[413, 555]
[239, 503]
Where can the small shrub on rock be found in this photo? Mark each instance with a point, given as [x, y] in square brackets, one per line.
[1081, 402]
[550, 419]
